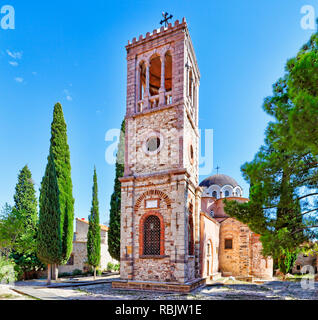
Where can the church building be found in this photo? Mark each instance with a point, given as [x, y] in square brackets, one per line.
[175, 235]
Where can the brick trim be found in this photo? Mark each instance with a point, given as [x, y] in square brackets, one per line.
[141, 233]
[152, 193]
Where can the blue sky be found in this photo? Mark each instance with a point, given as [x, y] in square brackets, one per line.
[74, 52]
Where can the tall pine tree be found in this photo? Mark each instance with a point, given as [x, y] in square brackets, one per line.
[93, 235]
[278, 175]
[49, 241]
[302, 81]
[115, 203]
[61, 154]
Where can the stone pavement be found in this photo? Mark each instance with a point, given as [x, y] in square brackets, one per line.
[6, 293]
[63, 289]
[224, 290]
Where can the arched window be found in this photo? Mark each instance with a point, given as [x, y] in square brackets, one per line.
[152, 233]
[227, 193]
[214, 194]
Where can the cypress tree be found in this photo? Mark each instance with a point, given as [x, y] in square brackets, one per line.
[115, 203]
[25, 203]
[49, 242]
[25, 198]
[61, 154]
[93, 235]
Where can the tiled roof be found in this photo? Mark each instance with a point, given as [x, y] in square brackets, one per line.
[105, 228]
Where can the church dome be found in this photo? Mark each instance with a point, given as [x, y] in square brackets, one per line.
[220, 180]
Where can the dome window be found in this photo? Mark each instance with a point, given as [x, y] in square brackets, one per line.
[214, 194]
[227, 193]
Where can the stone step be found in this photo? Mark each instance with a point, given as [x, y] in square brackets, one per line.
[216, 276]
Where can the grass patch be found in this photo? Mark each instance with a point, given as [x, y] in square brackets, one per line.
[7, 296]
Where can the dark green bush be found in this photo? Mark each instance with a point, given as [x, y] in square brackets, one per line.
[77, 272]
[65, 274]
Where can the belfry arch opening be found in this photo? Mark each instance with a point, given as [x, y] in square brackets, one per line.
[142, 83]
[155, 75]
[168, 71]
[190, 89]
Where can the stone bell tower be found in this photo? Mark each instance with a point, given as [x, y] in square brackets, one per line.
[160, 200]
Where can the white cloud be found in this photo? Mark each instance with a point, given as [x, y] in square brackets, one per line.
[15, 55]
[13, 63]
[68, 95]
[19, 79]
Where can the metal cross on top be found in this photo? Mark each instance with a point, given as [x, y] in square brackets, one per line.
[166, 18]
[217, 169]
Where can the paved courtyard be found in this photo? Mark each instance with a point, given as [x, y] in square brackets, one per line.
[224, 290]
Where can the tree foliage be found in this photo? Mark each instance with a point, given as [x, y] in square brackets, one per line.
[61, 154]
[115, 203]
[18, 226]
[302, 82]
[25, 198]
[11, 223]
[25, 203]
[283, 176]
[93, 235]
[49, 244]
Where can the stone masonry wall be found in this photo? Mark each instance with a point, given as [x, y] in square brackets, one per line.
[173, 264]
[261, 267]
[245, 258]
[80, 249]
[305, 260]
[166, 175]
[234, 261]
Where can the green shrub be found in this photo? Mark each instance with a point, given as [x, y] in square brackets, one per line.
[7, 271]
[117, 267]
[77, 272]
[65, 274]
[26, 263]
[99, 272]
[110, 266]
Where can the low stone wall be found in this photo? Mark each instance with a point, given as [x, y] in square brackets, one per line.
[160, 287]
